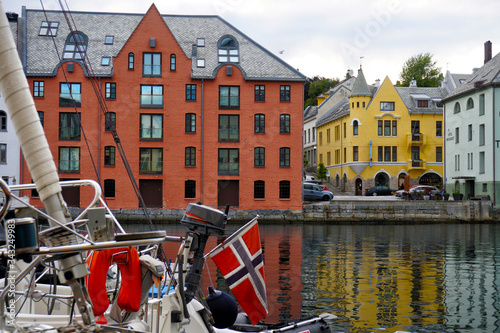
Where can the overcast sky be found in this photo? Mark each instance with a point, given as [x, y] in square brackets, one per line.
[326, 38]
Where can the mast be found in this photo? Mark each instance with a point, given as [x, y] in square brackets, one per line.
[21, 109]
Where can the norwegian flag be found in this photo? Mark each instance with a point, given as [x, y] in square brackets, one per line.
[240, 261]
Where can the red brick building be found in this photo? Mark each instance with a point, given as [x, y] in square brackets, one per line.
[203, 112]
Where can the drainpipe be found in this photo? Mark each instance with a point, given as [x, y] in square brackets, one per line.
[342, 153]
[201, 152]
[494, 149]
[99, 140]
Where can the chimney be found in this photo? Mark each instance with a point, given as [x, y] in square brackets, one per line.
[487, 51]
[413, 82]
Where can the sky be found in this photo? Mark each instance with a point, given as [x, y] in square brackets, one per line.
[328, 37]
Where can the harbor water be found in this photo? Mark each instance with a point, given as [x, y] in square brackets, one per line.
[377, 278]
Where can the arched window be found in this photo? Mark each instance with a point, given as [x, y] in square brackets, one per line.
[470, 103]
[173, 63]
[228, 49]
[456, 109]
[3, 121]
[130, 60]
[75, 46]
[355, 128]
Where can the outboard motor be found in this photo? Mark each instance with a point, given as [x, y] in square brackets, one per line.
[201, 221]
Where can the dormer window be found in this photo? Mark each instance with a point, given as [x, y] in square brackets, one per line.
[228, 50]
[422, 103]
[76, 46]
[48, 29]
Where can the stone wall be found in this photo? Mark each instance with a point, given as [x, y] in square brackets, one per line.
[363, 211]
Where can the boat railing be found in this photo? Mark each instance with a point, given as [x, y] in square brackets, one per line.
[65, 238]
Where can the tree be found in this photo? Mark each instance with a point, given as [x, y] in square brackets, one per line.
[423, 69]
[315, 87]
[321, 172]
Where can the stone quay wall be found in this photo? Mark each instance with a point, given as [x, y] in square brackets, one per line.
[404, 212]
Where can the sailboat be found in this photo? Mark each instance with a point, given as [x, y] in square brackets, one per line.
[144, 294]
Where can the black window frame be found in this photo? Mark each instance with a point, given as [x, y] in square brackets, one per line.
[3, 121]
[110, 121]
[190, 92]
[226, 134]
[75, 97]
[151, 96]
[131, 61]
[190, 189]
[224, 167]
[233, 101]
[110, 90]
[285, 157]
[190, 157]
[260, 123]
[285, 93]
[110, 156]
[38, 89]
[70, 130]
[439, 128]
[284, 189]
[190, 123]
[285, 123]
[70, 162]
[259, 157]
[259, 189]
[149, 164]
[153, 66]
[260, 93]
[151, 136]
[109, 188]
[173, 62]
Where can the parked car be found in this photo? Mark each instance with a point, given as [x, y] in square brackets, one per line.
[379, 190]
[323, 187]
[315, 192]
[424, 190]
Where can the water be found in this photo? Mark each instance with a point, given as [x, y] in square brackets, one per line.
[380, 278]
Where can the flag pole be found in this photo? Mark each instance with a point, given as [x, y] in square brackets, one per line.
[232, 236]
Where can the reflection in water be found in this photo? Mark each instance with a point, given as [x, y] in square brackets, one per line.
[379, 278]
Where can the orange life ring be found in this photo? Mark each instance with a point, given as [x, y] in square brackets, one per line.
[129, 297]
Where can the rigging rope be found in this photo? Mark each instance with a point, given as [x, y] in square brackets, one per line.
[95, 85]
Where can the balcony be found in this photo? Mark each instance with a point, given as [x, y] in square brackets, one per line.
[416, 165]
[415, 139]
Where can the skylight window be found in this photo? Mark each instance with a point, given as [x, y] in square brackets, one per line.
[48, 28]
[200, 62]
[105, 61]
[109, 40]
[200, 42]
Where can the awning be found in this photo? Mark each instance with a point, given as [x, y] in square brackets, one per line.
[464, 177]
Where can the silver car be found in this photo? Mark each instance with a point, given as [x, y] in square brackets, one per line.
[314, 192]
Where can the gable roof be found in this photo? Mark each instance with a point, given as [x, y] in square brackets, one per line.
[41, 58]
[485, 76]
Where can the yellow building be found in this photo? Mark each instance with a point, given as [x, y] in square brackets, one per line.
[382, 133]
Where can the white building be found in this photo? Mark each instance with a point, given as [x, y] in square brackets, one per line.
[472, 133]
